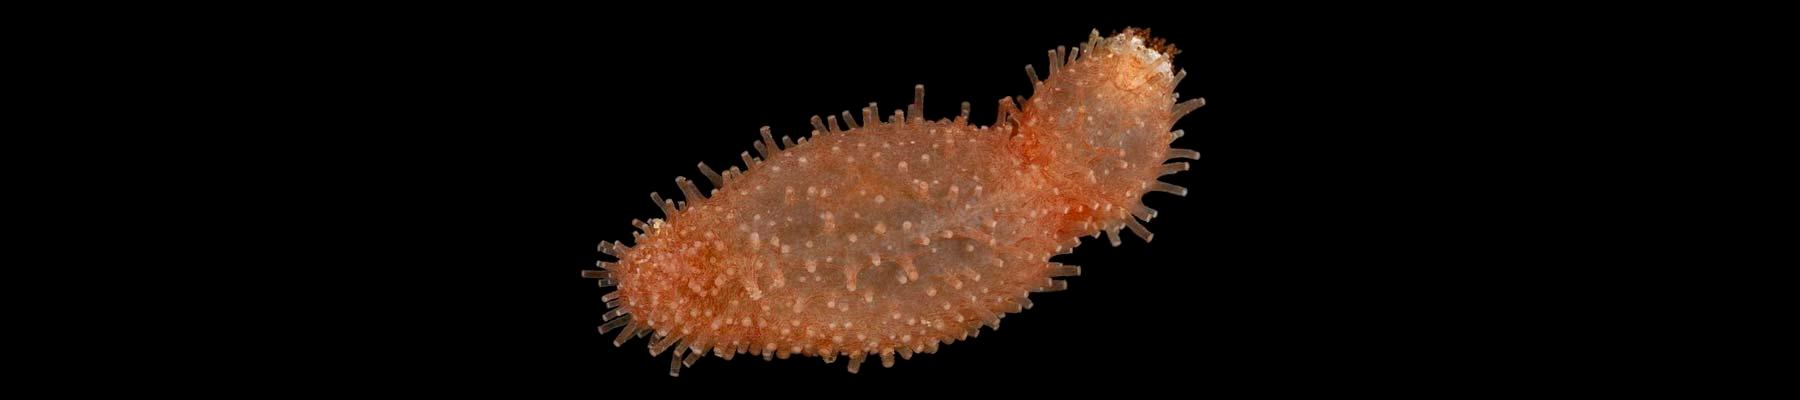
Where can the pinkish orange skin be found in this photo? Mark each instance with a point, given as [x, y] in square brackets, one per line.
[896, 236]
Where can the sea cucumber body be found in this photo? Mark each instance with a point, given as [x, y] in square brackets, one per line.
[890, 237]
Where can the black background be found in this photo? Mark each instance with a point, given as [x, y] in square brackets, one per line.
[482, 158]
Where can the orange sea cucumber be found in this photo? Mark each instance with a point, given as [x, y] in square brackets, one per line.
[891, 237]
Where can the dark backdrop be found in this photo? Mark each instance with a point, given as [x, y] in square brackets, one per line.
[487, 155]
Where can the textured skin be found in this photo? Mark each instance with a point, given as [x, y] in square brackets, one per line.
[896, 236]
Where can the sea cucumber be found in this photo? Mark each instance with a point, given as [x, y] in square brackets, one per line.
[891, 237]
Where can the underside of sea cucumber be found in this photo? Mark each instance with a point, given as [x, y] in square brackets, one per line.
[878, 237]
